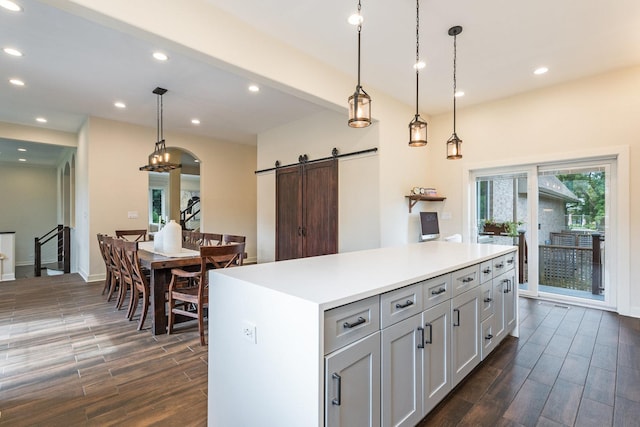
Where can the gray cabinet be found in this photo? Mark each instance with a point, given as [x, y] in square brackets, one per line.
[402, 351]
[352, 384]
[436, 378]
[465, 334]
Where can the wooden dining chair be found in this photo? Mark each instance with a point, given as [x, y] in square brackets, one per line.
[232, 238]
[132, 235]
[139, 282]
[113, 266]
[211, 239]
[191, 301]
[121, 246]
[105, 257]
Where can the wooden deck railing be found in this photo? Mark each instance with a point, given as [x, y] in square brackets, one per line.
[573, 267]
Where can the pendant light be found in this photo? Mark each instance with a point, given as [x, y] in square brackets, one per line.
[360, 101]
[417, 127]
[159, 159]
[454, 144]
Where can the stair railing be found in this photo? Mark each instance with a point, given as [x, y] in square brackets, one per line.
[191, 211]
[63, 235]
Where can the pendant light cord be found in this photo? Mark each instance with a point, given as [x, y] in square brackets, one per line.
[417, 50]
[455, 50]
[359, 30]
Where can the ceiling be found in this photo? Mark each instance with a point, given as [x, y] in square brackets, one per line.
[74, 67]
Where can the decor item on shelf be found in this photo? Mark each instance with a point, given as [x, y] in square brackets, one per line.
[360, 101]
[454, 144]
[159, 159]
[418, 126]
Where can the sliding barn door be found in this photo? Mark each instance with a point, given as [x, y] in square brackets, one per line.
[307, 210]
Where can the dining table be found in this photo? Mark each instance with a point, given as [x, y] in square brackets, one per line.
[160, 264]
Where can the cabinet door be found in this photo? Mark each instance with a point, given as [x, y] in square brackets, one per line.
[320, 208]
[402, 348]
[465, 334]
[499, 293]
[352, 384]
[288, 213]
[510, 301]
[436, 375]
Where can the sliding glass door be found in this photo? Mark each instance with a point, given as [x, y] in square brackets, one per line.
[560, 217]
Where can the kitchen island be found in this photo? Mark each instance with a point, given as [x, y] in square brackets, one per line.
[316, 341]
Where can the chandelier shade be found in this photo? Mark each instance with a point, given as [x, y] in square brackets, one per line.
[159, 159]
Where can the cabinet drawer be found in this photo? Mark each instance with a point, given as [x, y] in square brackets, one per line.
[465, 279]
[486, 301]
[499, 265]
[436, 290]
[400, 304]
[486, 271]
[348, 323]
[509, 261]
[489, 341]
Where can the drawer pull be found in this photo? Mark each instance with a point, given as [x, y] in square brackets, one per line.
[510, 261]
[488, 300]
[360, 321]
[501, 265]
[405, 305]
[488, 337]
[457, 323]
[486, 271]
[430, 340]
[338, 397]
[468, 279]
[439, 291]
[421, 340]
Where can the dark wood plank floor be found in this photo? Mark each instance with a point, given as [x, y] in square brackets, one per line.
[571, 366]
[68, 358]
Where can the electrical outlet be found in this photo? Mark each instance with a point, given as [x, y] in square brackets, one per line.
[132, 214]
[249, 331]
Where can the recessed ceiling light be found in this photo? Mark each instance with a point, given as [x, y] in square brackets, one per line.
[41, 120]
[9, 5]
[254, 88]
[23, 160]
[419, 66]
[355, 19]
[459, 93]
[16, 82]
[11, 51]
[540, 70]
[195, 121]
[22, 149]
[160, 56]
[120, 104]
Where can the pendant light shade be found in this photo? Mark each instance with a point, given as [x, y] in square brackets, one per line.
[159, 159]
[417, 126]
[454, 144]
[360, 101]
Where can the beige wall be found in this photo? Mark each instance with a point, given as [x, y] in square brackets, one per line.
[316, 136]
[597, 115]
[112, 184]
[28, 207]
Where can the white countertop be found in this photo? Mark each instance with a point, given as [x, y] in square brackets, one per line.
[334, 280]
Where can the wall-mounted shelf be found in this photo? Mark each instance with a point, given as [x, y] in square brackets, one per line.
[415, 198]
